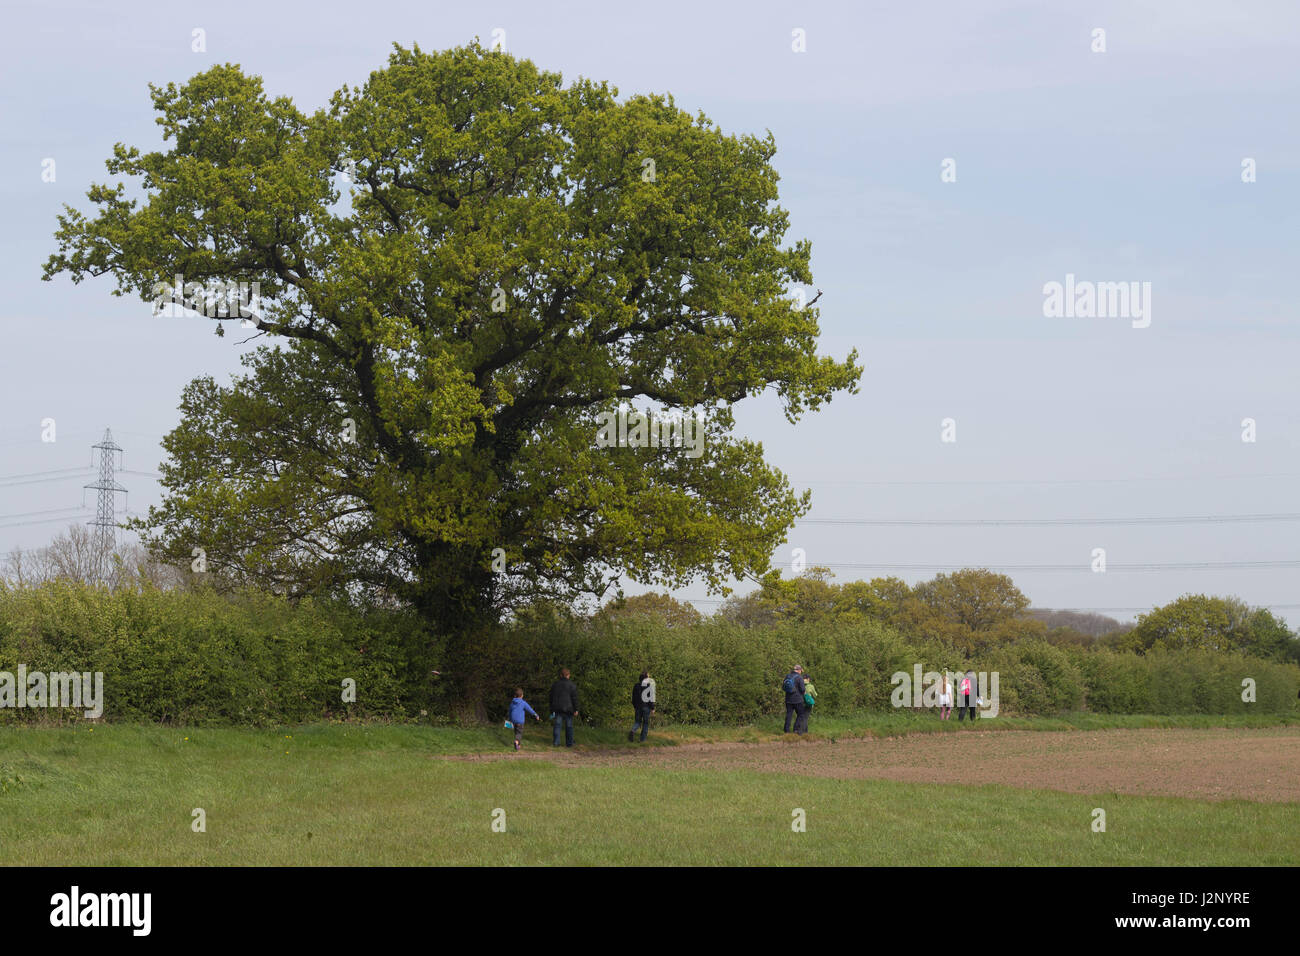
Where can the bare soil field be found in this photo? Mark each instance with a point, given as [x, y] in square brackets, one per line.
[1216, 764]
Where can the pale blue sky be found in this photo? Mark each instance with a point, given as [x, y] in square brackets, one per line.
[1123, 165]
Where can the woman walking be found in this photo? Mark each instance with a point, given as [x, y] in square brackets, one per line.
[968, 695]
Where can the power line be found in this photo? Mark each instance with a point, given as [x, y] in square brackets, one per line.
[39, 477]
[23, 524]
[1052, 522]
[58, 474]
[1036, 481]
[47, 511]
[46, 481]
[1091, 610]
[1078, 566]
[74, 514]
[1097, 610]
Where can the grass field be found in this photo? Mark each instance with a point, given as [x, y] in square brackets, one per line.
[406, 795]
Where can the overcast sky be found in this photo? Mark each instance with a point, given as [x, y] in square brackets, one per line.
[1122, 165]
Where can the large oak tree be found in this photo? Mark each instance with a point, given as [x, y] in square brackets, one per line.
[464, 262]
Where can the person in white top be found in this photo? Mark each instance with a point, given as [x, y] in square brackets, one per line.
[945, 697]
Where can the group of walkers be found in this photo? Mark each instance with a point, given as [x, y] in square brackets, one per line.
[564, 707]
[968, 696]
[800, 698]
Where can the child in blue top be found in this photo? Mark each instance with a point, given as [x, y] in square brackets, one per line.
[518, 709]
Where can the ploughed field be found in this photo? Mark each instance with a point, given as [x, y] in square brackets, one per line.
[1212, 764]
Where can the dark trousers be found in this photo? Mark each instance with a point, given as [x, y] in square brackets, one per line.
[964, 706]
[799, 712]
[565, 721]
[642, 721]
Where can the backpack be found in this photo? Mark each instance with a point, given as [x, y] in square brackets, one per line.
[787, 685]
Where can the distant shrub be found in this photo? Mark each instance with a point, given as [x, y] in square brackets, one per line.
[1116, 683]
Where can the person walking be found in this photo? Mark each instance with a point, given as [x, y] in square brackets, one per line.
[643, 705]
[564, 707]
[795, 707]
[968, 694]
[519, 711]
[945, 697]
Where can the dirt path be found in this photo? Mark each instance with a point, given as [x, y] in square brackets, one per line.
[1216, 764]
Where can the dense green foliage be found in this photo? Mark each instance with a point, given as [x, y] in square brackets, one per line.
[1214, 623]
[462, 264]
[201, 657]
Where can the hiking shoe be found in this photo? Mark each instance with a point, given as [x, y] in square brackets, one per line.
[630, 736]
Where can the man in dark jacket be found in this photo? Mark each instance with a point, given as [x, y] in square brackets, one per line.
[564, 705]
[795, 707]
[643, 705]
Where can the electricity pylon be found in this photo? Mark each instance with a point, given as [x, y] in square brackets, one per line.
[104, 538]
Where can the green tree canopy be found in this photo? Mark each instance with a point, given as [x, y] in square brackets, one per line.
[973, 608]
[661, 608]
[461, 264]
[968, 609]
[1216, 623]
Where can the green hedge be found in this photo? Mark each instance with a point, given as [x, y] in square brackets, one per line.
[203, 658]
[711, 673]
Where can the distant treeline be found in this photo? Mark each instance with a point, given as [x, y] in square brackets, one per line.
[975, 610]
[199, 657]
[1084, 623]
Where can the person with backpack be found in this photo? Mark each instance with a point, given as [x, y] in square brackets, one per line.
[643, 705]
[519, 711]
[796, 708]
[564, 707]
[968, 695]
